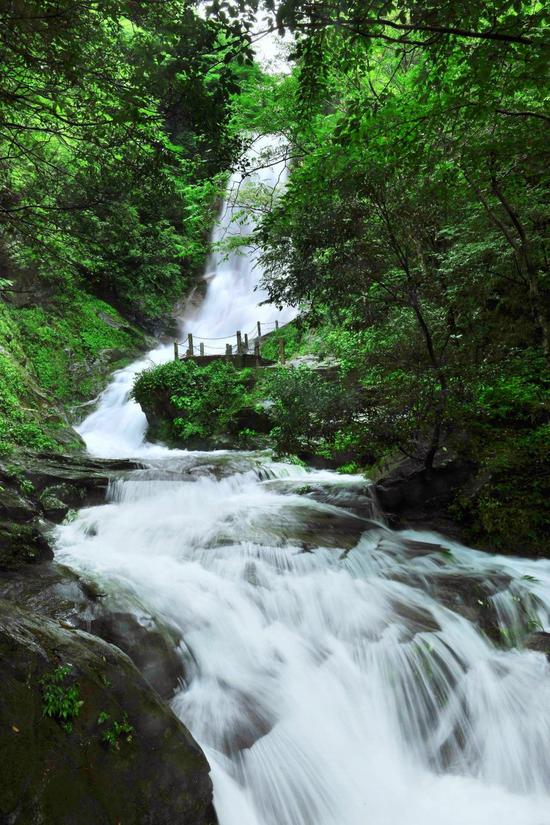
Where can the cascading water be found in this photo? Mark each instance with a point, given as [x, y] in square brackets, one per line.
[233, 301]
[336, 672]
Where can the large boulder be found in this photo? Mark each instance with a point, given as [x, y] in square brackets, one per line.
[413, 495]
[75, 480]
[120, 757]
[49, 484]
[37, 489]
[57, 592]
[151, 646]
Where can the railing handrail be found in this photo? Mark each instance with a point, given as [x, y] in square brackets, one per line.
[273, 324]
[243, 343]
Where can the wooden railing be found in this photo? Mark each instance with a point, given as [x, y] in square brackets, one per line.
[245, 348]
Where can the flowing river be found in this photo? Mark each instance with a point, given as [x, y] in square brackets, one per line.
[336, 672]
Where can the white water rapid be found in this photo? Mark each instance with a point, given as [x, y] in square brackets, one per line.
[336, 672]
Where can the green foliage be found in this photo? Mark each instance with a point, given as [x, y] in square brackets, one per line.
[117, 731]
[58, 353]
[511, 504]
[401, 22]
[352, 467]
[21, 420]
[196, 401]
[290, 458]
[63, 343]
[110, 157]
[413, 236]
[292, 334]
[60, 701]
[14, 433]
[113, 148]
[308, 409]
[248, 437]
[414, 231]
[27, 486]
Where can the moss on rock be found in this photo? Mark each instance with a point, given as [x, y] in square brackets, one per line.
[53, 356]
[53, 776]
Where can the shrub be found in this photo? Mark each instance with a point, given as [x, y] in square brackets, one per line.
[59, 700]
[112, 735]
[201, 401]
[308, 408]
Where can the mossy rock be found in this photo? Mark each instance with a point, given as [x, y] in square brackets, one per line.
[154, 775]
[13, 505]
[22, 544]
[54, 508]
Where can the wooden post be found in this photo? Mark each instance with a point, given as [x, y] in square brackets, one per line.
[228, 352]
[190, 344]
[246, 342]
[176, 351]
[276, 325]
[239, 342]
[257, 352]
[259, 330]
[281, 350]
[201, 348]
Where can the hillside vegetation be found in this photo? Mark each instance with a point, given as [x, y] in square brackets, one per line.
[113, 144]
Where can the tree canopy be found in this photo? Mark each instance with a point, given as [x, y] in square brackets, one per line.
[113, 126]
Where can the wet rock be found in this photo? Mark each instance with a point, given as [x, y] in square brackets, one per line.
[415, 618]
[326, 529]
[70, 495]
[154, 773]
[540, 642]
[45, 486]
[413, 495]
[354, 497]
[469, 595]
[394, 544]
[53, 507]
[15, 506]
[51, 589]
[50, 484]
[252, 722]
[294, 525]
[206, 465]
[58, 593]
[75, 480]
[22, 544]
[151, 647]
[416, 549]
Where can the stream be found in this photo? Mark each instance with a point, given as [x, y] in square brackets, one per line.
[336, 672]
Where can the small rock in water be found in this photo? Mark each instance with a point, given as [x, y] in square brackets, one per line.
[540, 642]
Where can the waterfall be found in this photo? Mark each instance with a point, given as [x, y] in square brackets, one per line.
[336, 672]
[233, 301]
